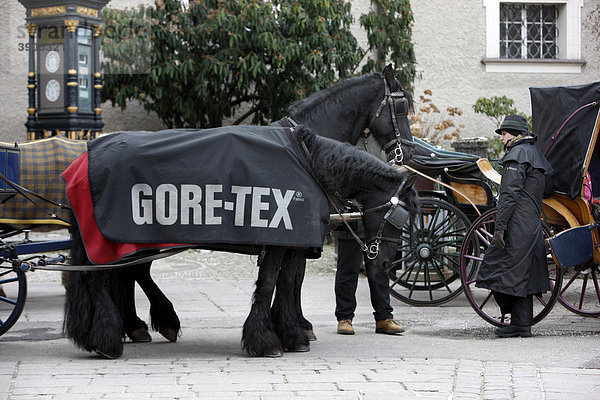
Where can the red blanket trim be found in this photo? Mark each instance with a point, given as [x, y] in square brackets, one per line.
[98, 248]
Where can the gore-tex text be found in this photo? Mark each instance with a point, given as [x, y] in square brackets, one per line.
[189, 204]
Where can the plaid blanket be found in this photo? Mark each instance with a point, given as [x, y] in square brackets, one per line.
[42, 162]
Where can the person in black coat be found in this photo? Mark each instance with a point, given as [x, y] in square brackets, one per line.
[514, 266]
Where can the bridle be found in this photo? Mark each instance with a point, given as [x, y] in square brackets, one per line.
[397, 215]
[399, 107]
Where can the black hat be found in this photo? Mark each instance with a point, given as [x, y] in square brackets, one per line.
[513, 124]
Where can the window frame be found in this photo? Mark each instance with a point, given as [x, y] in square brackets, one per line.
[568, 40]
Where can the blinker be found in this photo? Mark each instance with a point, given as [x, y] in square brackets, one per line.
[397, 215]
[401, 106]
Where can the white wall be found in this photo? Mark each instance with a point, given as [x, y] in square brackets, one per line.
[449, 39]
[450, 43]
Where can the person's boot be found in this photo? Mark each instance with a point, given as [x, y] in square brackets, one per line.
[388, 326]
[345, 327]
[513, 331]
[521, 318]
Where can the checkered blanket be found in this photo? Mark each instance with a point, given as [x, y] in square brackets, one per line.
[42, 162]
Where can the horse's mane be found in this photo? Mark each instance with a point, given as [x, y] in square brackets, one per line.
[334, 96]
[345, 169]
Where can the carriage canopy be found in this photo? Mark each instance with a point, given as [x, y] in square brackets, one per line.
[565, 119]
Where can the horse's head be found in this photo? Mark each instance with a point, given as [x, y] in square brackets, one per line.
[389, 123]
[384, 215]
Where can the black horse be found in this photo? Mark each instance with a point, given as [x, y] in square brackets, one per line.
[93, 320]
[346, 112]
[374, 104]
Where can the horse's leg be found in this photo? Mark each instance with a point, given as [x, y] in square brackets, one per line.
[258, 337]
[299, 279]
[285, 309]
[134, 327]
[163, 317]
[92, 321]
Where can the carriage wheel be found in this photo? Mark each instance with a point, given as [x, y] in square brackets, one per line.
[580, 292]
[13, 292]
[476, 243]
[426, 269]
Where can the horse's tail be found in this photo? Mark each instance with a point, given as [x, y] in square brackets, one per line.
[91, 320]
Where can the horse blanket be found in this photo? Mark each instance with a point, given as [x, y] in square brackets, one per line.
[42, 162]
[230, 188]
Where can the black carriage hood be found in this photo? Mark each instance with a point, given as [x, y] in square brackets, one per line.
[434, 161]
[551, 108]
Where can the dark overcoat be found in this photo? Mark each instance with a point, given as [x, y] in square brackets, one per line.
[520, 268]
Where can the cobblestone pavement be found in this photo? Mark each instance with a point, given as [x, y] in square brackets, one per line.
[447, 351]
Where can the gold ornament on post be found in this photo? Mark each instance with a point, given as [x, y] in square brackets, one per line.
[98, 29]
[31, 28]
[71, 24]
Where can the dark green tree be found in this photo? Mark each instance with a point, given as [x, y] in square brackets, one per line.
[389, 32]
[197, 65]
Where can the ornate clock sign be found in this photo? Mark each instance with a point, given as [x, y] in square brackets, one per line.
[52, 90]
[52, 61]
[64, 81]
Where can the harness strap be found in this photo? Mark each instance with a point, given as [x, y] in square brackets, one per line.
[362, 245]
[32, 266]
[388, 98]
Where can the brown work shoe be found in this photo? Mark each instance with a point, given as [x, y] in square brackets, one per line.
[388, 326]
[345, 327]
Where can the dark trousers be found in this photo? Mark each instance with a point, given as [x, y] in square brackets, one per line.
[519, 308]
[349, 258]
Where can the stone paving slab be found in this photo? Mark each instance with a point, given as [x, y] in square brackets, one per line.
[447, 351]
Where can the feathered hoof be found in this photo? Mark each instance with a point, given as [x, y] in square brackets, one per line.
[169, 334]
[275, 353]
[111, 355]
[299, 349]
[140, 335]
[310, 335]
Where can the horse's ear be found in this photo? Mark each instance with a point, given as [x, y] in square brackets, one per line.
[388, 74]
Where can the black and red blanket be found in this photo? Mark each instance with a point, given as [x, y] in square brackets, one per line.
[230, 188]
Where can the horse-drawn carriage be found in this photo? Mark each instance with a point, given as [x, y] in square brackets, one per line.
[567, 122]
[453, 191]
[36, 167]
[436, 264]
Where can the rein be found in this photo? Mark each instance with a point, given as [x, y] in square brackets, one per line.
[26, 193]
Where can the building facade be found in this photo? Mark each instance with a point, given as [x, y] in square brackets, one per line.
[465, 50]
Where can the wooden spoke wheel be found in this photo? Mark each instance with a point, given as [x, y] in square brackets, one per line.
[476, 243]
[580, 292]
[426, 269]
[13, 291]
